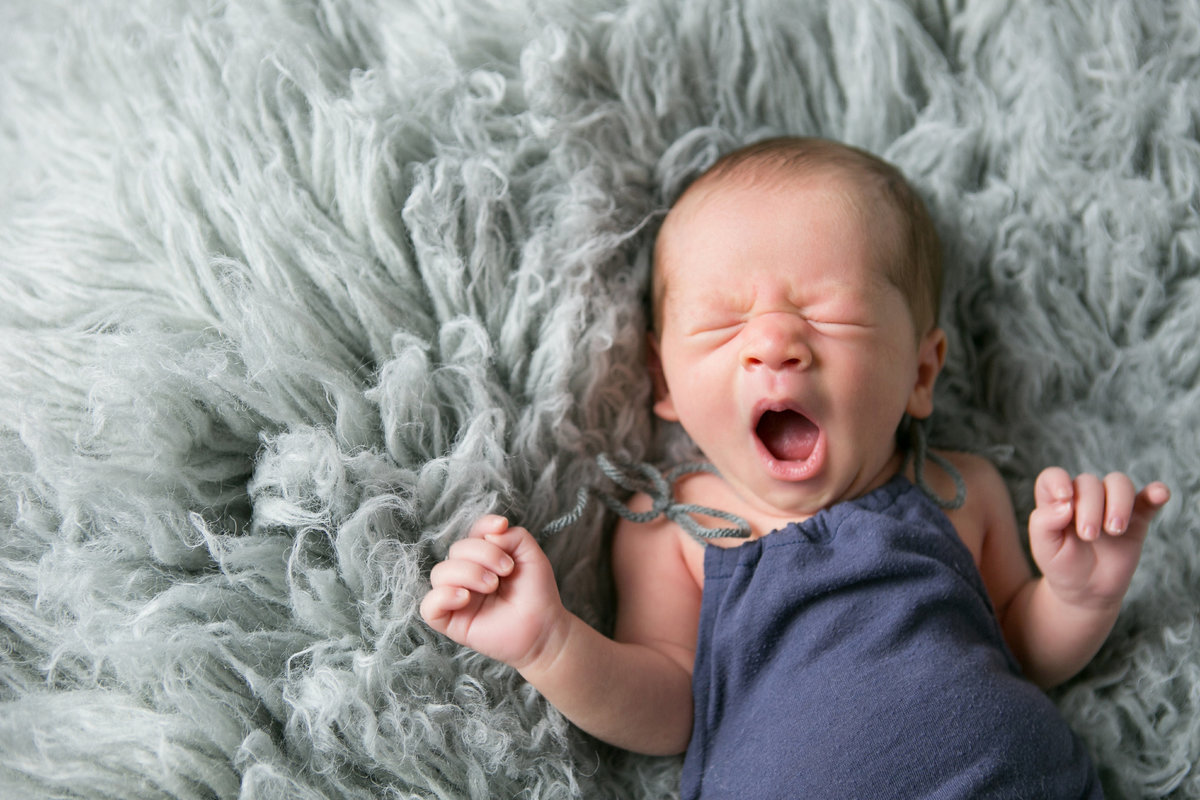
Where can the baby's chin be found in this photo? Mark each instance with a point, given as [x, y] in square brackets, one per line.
[794, 491]
[783, 501]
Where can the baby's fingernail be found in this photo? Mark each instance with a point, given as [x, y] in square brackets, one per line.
[1088, 533]
[1116, 525]
[506, 563]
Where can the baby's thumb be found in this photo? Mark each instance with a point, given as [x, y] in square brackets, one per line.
[1053, 486]
[519, 544]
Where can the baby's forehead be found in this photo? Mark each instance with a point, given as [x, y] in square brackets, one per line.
[767, 175]
[758, 182]
[744, 190]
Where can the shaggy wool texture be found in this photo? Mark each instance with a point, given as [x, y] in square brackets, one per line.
[290, 292]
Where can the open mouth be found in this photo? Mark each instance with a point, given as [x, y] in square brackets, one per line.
[787, 435]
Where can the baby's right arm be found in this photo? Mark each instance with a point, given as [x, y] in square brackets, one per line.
[496, 594]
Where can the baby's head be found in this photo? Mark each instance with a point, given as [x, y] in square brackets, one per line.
[796, 290]
[904, 239]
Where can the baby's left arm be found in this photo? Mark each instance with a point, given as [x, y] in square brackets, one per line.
[1086, 537]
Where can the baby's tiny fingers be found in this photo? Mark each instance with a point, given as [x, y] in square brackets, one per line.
[1155, 495]
[1148, 502]
[1048, 525]
[440, 602]
[484, 552]
[488, 524]
[1118, 502]
[1089, 506]
[458, 573]
[1053, 486]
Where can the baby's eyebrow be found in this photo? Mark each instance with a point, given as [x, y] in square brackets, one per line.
[711, 298]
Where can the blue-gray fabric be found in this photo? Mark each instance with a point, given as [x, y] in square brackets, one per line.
[857, 654]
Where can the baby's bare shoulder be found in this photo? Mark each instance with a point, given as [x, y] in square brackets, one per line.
[658, 586]
[657, 537]
[977, 472]
[987, 506]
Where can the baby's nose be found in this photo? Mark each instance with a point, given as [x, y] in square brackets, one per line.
[776, 342]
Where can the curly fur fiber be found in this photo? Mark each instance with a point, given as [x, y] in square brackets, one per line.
[290, 292]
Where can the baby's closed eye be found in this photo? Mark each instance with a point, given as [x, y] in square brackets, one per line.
[716, 327]
[839, 325]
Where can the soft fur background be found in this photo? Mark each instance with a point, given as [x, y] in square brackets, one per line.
[292, 291]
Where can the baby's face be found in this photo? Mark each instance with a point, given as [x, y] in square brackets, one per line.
[786, 353]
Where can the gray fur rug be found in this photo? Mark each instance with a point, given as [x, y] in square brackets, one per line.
[292, 291]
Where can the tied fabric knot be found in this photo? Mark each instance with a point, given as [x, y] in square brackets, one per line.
[648, 479]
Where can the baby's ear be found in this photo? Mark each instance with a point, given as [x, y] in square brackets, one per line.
[931, 355]
[664, 406]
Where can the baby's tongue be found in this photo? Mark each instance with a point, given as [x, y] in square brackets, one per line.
[788, 436]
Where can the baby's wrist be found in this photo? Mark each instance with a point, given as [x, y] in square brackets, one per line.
[1086, 604]
[547, 651]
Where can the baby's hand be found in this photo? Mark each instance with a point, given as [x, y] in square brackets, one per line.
[1086, 534]
[495, 593]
